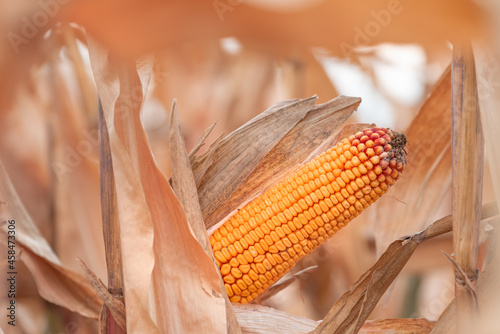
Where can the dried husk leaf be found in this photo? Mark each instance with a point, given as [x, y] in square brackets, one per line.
[261, 319]
[237, 155]
[88, 93]
[257, 319]
[55, 283]
[165, 256]
[400, 326]
[284, 282]
[184, 186]
[427, 176]
[282, 159]
[199, 143]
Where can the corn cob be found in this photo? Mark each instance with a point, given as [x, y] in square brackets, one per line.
[267, 237]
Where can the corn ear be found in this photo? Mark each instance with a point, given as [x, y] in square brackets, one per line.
[267, 237]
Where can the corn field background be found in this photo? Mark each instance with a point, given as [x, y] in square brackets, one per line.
[128, 129]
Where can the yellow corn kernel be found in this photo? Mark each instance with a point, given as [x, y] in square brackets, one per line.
[262, 241]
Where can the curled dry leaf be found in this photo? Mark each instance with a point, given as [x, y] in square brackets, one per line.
[55, 283]
[199, 143]
[293, 138]
[165, 262]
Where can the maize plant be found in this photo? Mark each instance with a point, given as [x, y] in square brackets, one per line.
[266, 238]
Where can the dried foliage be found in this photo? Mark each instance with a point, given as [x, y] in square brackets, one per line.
[112, 215]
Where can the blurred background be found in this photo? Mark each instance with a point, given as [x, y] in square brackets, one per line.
[225, 61]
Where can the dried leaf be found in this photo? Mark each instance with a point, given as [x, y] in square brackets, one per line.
[76, 184]
[114, 305]
[467, 169]
[237, 155]
[185, 188]
[261, 319]
[257, 319]
[110, 228]
[353, 308]
[55, 283]
[165, 255]
[487, 288]
[27, 161]
[199, 143]
[317, 125]
[488, 72]
[61, 286]
[410, 204]
[400, 326]
[303, 75]
[285, 281]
